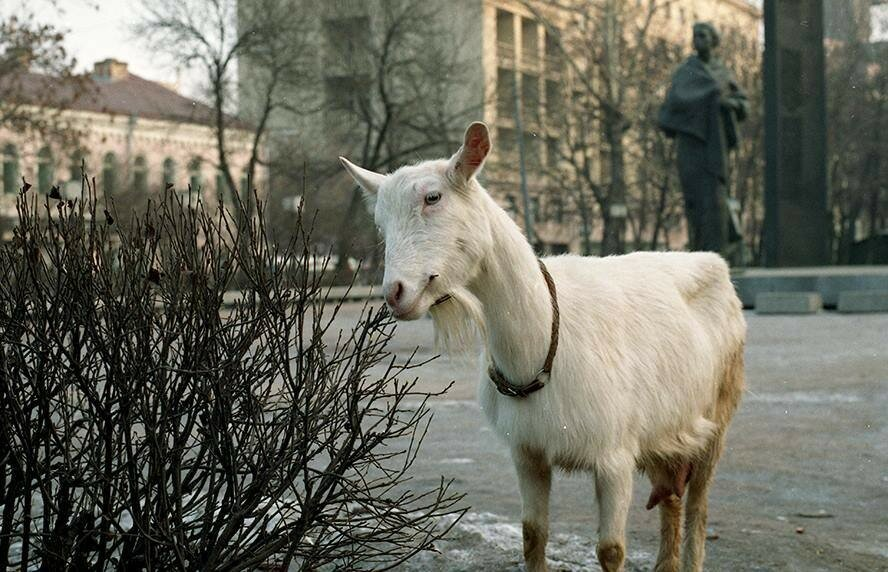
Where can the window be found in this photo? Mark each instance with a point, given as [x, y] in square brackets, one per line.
[530, 96]
[195, 181]
[507, 140]
[505, 27]
[554, 105]
[109, 173]
[222, 188]
[44, 170]
[532, 150]
[530, 42]
[245, 184]
[343, 92]
[140, 175]
[169, 172]
[10, 169]
[505, 92]
[76, 166]
[554, 57]
[552, 152]
[348, 42]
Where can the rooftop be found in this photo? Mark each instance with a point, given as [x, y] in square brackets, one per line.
[112, 89]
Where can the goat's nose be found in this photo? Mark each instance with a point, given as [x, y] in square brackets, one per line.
[393, 293]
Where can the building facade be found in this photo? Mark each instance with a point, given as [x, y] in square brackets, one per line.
[512, 76]
[132, 134]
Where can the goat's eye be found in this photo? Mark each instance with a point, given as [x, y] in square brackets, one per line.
[432, 198]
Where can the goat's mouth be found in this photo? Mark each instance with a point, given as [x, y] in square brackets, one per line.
[418, 308]
[410, 313]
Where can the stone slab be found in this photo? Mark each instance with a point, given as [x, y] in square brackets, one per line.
[863, 301]
[828, 281]
[788, 303]
[336, 293]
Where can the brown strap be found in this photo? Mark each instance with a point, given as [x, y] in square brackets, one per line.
[556, 319]
[508, 388]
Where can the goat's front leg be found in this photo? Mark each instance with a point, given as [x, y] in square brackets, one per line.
[534, 482]
[613, 489]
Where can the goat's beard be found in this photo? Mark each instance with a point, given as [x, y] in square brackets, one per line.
[459, 323]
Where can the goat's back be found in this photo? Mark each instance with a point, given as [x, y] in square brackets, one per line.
[645, 341]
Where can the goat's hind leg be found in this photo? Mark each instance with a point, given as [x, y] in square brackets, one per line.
[696, 507]
[696, 504]
[668, 483]
[534, 482]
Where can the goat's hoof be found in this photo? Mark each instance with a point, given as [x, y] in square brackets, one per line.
[611, 556]
[667, 566]
[535, 537]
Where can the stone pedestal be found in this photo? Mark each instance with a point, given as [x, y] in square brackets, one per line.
[796, 217]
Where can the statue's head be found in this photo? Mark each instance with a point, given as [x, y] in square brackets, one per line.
[706, 39]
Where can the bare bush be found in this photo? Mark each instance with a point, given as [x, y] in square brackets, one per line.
[145, 424]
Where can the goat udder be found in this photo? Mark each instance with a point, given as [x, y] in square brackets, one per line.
[675, 486]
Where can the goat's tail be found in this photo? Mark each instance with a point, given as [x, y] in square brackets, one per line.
[730, 389]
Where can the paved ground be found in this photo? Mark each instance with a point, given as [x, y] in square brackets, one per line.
[803, 484]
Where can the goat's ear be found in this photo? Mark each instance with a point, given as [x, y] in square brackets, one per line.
[367, 180]
[476, 145]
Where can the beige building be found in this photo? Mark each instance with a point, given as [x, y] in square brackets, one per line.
[505, 48]
[133, 135]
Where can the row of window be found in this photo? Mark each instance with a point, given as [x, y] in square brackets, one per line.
[555, 211]
[110, 174]
[531, 31]
[534, 147]
[533, 107]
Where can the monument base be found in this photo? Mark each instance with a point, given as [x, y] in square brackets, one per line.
[828, 281]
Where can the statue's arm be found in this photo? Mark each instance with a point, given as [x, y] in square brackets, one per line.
[737, 101]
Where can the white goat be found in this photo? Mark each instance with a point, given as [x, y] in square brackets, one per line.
[649, 363]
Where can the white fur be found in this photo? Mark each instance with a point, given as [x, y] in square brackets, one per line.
[643, 337]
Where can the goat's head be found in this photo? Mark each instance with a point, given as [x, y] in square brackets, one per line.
[434, 223]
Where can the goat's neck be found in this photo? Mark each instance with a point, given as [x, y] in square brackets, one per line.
[516, 302]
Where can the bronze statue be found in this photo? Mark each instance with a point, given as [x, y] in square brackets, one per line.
[701, 111]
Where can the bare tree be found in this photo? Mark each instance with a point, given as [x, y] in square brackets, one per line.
[747, 164]
[145, 425]
[37, 79]
[215, 35]
[394, 99]
[857, 116]
[617, 69]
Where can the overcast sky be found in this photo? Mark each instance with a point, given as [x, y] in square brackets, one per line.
[99, 29]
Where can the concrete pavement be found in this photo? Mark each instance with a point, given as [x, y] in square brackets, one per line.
[803, 484]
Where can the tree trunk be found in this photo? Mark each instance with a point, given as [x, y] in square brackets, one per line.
[846, 238]
[660, 214]
[614, 218]
[345, 241]
[585, 228]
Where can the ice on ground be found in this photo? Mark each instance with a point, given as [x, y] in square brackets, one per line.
[487, 541]
[805, 397]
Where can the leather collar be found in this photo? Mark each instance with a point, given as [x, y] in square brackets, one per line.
[509, 389]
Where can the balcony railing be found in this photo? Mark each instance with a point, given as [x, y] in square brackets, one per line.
[555, 64]
[530, 60]
[505, 54]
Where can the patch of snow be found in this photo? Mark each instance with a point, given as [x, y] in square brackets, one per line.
[805, 397]
[482, 540]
